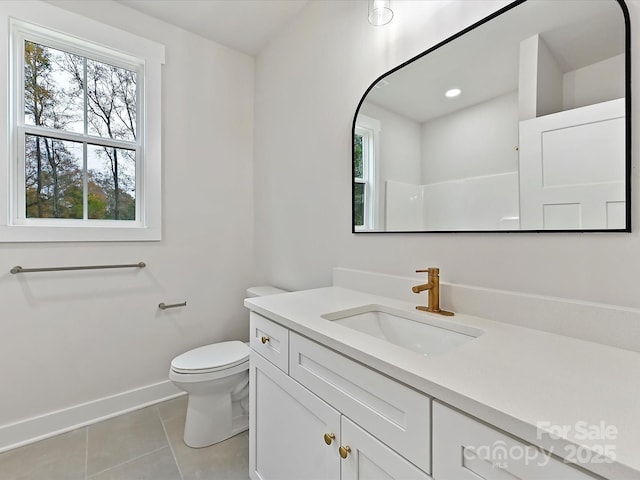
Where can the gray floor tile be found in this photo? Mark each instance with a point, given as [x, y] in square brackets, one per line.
[173, 408]
[133, 446]
[158, 465]
[124, 438]
[62, 456]
[228, 460]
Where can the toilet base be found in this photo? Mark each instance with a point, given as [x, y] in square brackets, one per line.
[209, 420]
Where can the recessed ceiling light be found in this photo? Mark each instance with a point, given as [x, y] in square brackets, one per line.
[454, 92]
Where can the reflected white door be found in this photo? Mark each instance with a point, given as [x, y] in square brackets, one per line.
[572, 169]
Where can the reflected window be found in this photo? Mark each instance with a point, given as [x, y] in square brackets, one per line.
[365, 142]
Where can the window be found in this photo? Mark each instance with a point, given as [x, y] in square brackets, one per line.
[364, 173]
[78, 140]
[84, 163]
[361, 185]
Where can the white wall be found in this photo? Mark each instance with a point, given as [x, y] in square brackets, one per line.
[549, 84]
[594, 83]
[539, 79]
[399, 145]
[477, 141]
[308, 84]
[73, 337]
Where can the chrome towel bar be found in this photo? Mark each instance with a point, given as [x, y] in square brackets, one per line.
[163, 306]
[19, 269]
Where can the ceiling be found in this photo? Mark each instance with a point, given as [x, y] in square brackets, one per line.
[244, 25]
[484, 62]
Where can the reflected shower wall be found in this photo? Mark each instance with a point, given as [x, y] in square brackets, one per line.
[488, 202]
[404, 206]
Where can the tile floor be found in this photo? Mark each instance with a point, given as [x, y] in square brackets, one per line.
[145, 444]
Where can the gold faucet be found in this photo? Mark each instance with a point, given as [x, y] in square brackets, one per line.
[433, 286]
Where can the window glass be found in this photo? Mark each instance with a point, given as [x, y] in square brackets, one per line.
[357, 156]
[53, 178]
[85, 99]
[358, 204]
[111, 176]
[111, 101]
[53, 93]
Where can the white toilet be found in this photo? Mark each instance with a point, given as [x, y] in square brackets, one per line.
[216, 377]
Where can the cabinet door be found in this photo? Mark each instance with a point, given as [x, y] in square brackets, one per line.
[369, 459]
[465, 449]
[393, 412]
[287, 424]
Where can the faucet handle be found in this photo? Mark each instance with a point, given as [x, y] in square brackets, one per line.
[429, 270]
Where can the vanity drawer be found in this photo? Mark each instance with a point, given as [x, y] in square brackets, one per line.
[466, 449]
[390, 411]
[270, 340]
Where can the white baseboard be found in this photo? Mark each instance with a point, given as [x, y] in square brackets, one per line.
[54, 423]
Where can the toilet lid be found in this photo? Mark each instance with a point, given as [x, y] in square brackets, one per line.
[211, 357]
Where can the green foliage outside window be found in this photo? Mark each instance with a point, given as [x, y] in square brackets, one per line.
[357, 156]
[358, 188]
[358, 204]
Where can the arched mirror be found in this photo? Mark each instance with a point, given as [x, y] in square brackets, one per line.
[519, 123]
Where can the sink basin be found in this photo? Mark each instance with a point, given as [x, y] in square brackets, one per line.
[417, 331]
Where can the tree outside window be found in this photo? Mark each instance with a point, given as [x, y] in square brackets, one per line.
[80, 134]
[358, 183]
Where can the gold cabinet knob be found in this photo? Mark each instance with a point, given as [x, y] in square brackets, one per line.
[329, 438]
[265, 340]
[345, 451]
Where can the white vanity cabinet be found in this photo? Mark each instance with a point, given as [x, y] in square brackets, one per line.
[287, 424]
[466, 449]
[371, 459]
[318, 414]
[296, 435]
[391, 411]
[270, 340]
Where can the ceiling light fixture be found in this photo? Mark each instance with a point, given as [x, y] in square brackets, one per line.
[380, 12]
[454, 92]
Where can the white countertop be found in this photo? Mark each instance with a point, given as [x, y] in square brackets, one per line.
[511, 377]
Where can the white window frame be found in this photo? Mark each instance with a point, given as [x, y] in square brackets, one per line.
[94, 40]
[369, 129]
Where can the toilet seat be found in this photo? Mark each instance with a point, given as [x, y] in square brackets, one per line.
[211, 358]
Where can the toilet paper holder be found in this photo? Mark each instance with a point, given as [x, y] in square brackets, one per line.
[164, 306]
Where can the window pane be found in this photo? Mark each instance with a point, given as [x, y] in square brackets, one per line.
[111, 97]
[53, 92]
[358, 204]
[357, 156]
[111, 183]
[53, 178]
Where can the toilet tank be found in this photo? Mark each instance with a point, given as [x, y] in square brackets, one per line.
[263, 291]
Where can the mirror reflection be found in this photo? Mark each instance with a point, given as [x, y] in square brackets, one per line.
[516, 125]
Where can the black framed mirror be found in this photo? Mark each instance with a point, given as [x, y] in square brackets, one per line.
[519, 123]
